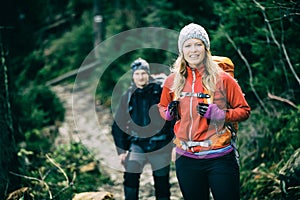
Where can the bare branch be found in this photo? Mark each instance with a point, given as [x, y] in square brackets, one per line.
[249, 70]
[289, 63]
[280, 47]
[74, 178]
[35, 179]
[269, 27]
[284, 16]
[281, 60]
[271, 96]
[60, 169]
[66, 187]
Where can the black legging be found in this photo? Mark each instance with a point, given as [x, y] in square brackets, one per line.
[197, 176]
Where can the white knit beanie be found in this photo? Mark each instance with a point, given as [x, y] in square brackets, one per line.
[193, 31]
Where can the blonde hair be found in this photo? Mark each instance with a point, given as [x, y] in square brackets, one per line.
[210, 76]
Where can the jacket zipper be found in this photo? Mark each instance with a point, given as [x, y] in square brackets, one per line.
[191, 105]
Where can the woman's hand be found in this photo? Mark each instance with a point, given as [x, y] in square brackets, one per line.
[172, 111]
[210, 111]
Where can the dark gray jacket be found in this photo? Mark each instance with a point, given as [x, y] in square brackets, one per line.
[138, 121]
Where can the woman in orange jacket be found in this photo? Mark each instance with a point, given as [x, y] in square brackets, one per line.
[204, 100]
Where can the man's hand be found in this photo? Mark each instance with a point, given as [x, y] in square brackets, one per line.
[123, 157]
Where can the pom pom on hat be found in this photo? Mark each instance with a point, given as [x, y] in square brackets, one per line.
[193, 31]
[140, 64]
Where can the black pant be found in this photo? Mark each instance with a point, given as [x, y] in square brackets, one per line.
[161, 184]
[197, 176]
[160, 164]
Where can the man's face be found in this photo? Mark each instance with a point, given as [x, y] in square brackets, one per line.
[140, 78]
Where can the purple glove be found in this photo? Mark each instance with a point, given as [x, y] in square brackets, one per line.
[172, 111]
[210, 111]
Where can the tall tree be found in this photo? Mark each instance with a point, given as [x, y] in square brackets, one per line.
[6, 124]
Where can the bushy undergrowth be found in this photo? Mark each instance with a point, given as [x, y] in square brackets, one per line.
[265, 151]
[36, 107]
[59, 174]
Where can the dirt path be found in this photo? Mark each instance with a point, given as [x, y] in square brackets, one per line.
[90, 123]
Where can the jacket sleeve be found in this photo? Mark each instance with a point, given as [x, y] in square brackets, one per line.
[119, 127]
[238, 109]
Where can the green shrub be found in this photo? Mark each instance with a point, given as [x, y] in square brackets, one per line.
[38, 106]
[277, 138]
[59, 174]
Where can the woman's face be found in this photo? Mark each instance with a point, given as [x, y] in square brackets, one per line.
[140, 78]
[194, 52]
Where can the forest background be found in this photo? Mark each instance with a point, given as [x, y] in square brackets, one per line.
[42, 40]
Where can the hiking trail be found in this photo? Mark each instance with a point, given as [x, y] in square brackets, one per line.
[89, 122]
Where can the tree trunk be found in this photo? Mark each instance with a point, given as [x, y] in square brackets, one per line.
[7, 144]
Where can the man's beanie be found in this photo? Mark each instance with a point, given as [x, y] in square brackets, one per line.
[193, 31]
[140, 64]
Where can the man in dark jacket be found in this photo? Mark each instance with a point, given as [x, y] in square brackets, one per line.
[141, 135]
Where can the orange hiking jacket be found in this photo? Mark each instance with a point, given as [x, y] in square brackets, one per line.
[191, 126]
